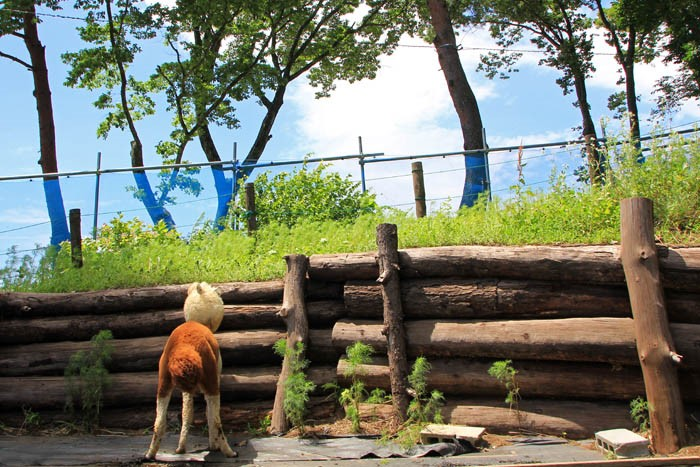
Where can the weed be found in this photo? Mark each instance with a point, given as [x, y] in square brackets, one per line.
[504, 372]
[639, 412]
[358, 354]
[262, 428]
[425, 405]
[31, 419]
[86, 378]
[297, 387]
[378, 396]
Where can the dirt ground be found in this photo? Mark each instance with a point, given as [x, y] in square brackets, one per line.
[377, 428]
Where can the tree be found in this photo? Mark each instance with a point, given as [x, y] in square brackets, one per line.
[560, 29]
[632, 29]
[683, 47]
[115, 29]
[18, 19]
[463, 99]
[208, 76]
[268, 45]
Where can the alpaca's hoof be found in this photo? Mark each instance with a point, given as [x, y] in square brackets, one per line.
[229, 452]
[180, 450]
[150, 455]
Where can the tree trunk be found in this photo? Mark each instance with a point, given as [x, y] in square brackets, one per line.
[657, 353]
[393, 329]
[596, 162]
[607, 340]
[265, 130]
[596, 264]
[293, 312]
[463, 99]
[47, 130]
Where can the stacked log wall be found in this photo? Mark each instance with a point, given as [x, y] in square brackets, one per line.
[40, 332]
[562, 314]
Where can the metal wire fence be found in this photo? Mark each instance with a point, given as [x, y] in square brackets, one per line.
[103, 194]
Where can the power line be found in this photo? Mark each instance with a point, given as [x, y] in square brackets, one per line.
[493, 49]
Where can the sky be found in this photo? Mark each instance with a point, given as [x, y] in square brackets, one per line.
[405, 111]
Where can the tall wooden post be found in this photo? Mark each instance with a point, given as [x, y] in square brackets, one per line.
[293, 312]
[418, 188]
[76, 239]
[657, 353]
[251, 218]
[388, 261]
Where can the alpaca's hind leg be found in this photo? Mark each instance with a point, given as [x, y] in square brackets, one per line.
[217, 438]
[159, 426]
[187, 417]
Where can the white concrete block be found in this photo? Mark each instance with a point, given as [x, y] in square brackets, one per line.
[622, 442]
[435, 433]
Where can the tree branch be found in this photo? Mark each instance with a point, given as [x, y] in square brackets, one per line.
[16, 60]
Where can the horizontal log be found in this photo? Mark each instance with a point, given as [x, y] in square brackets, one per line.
[32, 305]
[572, 419]
[239, 348]
[536, 379]
[593, 264]
[606, 340]
[234, 416]
[136, 389]
[155, 323]
[459, 298]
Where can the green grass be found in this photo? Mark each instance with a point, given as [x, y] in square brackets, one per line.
[130, 254]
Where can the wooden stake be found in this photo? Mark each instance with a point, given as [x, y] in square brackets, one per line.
[657, 353]
[293, 312]
[251, 218]
[76, 240]
[388, 261]
[418, 188]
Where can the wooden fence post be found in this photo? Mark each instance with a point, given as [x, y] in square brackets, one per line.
[657, 354]
[251, 218]
[418, 188]
[388, 261]
[76, 241]
[293, 312]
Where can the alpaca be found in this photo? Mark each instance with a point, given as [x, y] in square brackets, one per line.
[204, 305]
[192, 363]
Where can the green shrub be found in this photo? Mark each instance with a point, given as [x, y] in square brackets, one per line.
[639, 412]
[358, 354]
[314, 195]
[86, 378]
[297, 387]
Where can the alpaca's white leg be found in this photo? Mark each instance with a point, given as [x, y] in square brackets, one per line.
[217, 438]
[187, 417]
[159, 426]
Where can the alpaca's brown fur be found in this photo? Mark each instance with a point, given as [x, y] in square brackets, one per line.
[191, 362]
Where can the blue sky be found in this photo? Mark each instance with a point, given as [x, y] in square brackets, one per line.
[406, 110]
